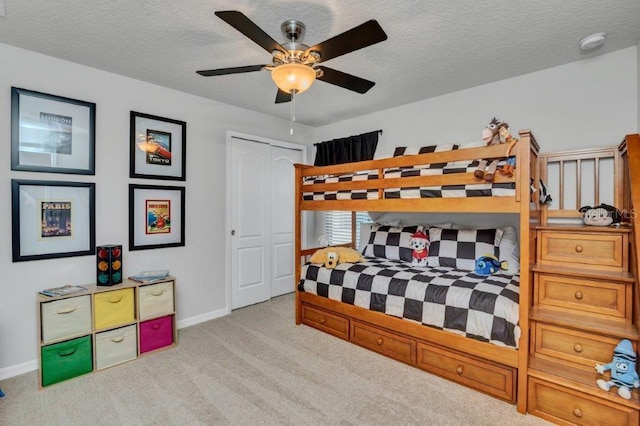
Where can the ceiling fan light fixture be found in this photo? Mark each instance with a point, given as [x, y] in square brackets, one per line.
[293, 77]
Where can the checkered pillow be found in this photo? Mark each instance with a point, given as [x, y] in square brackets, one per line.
[390, 242]
[410, 150]
[459, 248]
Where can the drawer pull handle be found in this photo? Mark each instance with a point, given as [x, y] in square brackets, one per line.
[117, 339]
[459, 370]
[155, 326]
[577, 412]
[579, 249]
[67, 310]
[116, 300]
[577, 347]
[70, 352]
[157, 293]
[323, 320]
[579, 295]
[379, 341]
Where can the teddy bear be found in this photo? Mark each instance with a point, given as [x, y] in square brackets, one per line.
[332, 256]
[623, 370]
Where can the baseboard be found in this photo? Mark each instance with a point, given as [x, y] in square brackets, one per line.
[25, 367]
[16, 370]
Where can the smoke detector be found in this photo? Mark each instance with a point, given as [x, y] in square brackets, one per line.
[592, 41]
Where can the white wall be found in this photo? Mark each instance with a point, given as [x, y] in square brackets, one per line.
[589, 103]
[199, 266]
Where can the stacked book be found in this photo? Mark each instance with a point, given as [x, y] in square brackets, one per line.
[150, 276]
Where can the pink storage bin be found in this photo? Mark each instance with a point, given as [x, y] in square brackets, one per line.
[156, 333]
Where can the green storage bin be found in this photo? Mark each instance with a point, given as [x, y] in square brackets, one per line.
[66, 360]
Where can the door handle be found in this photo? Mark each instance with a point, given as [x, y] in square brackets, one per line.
[233, 232]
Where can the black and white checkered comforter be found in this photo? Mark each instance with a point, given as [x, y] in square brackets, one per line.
[483, 308]
[480, 189]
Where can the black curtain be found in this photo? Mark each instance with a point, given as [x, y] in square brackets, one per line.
[346, 150]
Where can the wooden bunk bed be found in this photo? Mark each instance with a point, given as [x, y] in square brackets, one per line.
[495, 370]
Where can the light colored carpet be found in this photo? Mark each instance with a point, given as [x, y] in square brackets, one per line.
[255, 367]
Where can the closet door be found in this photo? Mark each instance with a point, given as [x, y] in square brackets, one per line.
[283, 218]
[250, 221]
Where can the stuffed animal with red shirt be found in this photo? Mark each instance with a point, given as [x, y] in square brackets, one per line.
[419, 242]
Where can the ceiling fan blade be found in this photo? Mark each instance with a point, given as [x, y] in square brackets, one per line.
[233, 70]
[356, 38]
[345, 80]
[247, 27]
[282, 97]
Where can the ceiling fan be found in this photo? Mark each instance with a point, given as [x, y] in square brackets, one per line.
[295, 65]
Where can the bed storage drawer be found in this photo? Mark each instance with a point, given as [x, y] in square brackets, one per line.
[592, 251]
[325, 321]
[65, 360]
[113, 308]
[573, 346]
[116, 346]
[561, 405]
[392, 345]
[595, 298]
[494, 379]
[66, 318]
[156, 300]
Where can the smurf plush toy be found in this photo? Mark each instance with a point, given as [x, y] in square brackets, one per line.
[419, 242]
[623, 370]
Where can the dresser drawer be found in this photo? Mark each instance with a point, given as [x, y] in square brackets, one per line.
[116, 346]
[156, 333]
[567, 406]
[113, 308]
[65, 318]
[156, 300]
[325, 321]
[394, 346]
[572, 346]
[493, 379]
[592, 251]
[65, 360]
[594, 298]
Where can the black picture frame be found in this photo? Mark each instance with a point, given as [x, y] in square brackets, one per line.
[155, 221]
[157, 147]
[52, 134]
[52, 219]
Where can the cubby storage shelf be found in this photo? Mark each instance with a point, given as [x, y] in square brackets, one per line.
[104, 326]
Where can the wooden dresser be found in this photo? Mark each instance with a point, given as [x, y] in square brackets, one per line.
[582, 308]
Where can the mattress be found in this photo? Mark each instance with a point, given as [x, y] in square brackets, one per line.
[481, 189]
[461, 302]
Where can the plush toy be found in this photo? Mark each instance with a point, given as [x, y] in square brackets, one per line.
[488, 264]
[332, 256]
[602, 215]
[623, 370]
[419, 242]
[487, 168]
[509, 167]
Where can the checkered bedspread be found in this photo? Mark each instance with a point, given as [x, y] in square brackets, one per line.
[483, 308]
[480, 189]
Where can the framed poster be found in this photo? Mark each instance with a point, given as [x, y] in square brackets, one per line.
[156, 216]
[158, 147]
[52, 219]
[51, 133]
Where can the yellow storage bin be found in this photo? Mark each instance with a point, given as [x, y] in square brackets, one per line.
[113, 308]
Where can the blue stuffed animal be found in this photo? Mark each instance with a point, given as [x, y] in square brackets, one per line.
[488, 264]
[623, 370]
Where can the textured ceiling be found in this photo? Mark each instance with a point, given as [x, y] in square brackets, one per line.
[434, 47]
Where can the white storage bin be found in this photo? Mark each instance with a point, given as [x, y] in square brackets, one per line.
[116, 346]
[66, 318]
[156, 300]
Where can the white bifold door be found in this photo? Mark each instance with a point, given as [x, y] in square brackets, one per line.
[262, 182]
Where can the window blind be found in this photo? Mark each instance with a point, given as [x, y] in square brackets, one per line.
[337, 226]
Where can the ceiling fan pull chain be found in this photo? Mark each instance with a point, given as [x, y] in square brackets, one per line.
[293, 110]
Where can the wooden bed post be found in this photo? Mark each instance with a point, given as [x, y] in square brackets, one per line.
[298, 236]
